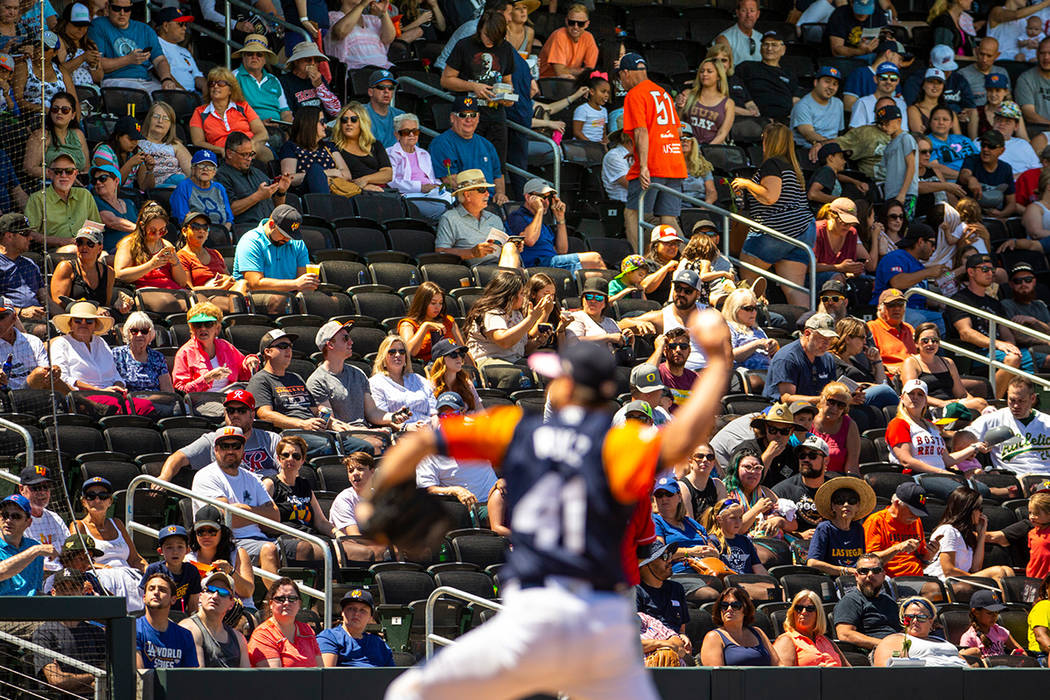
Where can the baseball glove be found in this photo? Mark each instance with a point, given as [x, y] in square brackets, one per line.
[407, 517]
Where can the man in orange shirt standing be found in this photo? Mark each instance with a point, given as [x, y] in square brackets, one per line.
[894, 338]
[895, 535]
[649, 116]
[571, 48]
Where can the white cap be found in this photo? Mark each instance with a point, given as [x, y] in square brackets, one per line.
[913, 384]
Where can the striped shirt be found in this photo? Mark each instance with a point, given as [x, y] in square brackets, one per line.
[790, 214]
[27, 354]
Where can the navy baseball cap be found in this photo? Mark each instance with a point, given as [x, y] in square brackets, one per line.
[668, 484]
[887, 113]
[914, 497]
[585, 364]
[38, 474]
[466, 103]
[996, 80]
[172, 531]
[829, 72]
[204, 156]
[887, 68]
[380, 76]
[20, 501]
[358, 595]
[631, 61]
[450, 399]
[984, 599]
[96, 481]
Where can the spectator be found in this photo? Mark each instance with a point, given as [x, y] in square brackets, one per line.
[686, 288]
[805, 641]
[617, 162]
[774, 87]
[904, 268]
[960, 535]
[775, 198]
[846, 29]
[934, 188]
[866, 614]
[173, 546]
[673, 346]
[887, 79]
[144, 258]
[218, 644]
[915, 442]
[743, 479]
[212, 550]
[469, 481]
[115, 560]
[273, 257]
[633, 270]
[740, 38]
[413, 169]
[86, 362]
[864, 81]
[918, 615]
[361, 33]
[1026, 453]
[800, 370]
[68, 205]
[952, 25]
[170, 159]
[801, 488]
[1027, 184]
[943, 385]
[997, 91]
[160, 643]
[983, 67]
[207, 362]
[699, 182]
[122, 151]
[261, 88]
[200, 193]
[839, 252]
[824, 184]
[1018, 153]
[82, 640]
[205, 266]
[118, 213]
[464, 230]
[866, 144]
[744, 105]
[657, 594]
[838, 540]
[690, 539]
[590, 324]
[862, 363]
[348, 645]
[45, 526]
[900, 160]
[835, 427]
[931, 96]
[589, 120]
[706, 106]
[1039, 624]
[646, 389]
[520, 32]
[141, 367]
[226, 112]
[697, 479]
[365, 157]
[21, 284]
[818, 116]
[985, 637]
[61, 135]
[832, 300]
[989, 179]
[1032, 91]
[500, 330]
[296, 503]
[449, 376]
[1028, 43]
[171, 33]
[381, 88]
[359, 469]
[734, 641]
[426, 323]
[893, 337]
[460, 148]
[396, 388]
[308, 160]
[253, 194]
[225, 480]
[544, 247]
[571, 49]
[752, 348]
[21, 557]
[281, 641]
[303, 84]
[1039, 517]
[129, 49]
[421, 21]
[82, 59]
[948, 150]
[1024, 306]
[956, 93]
[895, 534]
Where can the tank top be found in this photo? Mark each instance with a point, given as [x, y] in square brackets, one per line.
[80, 289]
[38, 89]
[736, 655]
[1046, 215]
[814, 652]
[115, 552]
[935, 652]
[218, 654]
[701, 500]
[70, 147]
[705, 121]
[165, 164]
[697, 359]
[939, 384]
[837, 443]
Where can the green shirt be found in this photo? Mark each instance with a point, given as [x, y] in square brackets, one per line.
[64, 218]
[867, 144]
[266, 97]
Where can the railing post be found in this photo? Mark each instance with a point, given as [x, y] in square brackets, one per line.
[229, 33]
[991, 356]
[30, 461]
[641, 220]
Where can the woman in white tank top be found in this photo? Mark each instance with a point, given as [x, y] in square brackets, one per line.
[1036, 217]
[122, 566]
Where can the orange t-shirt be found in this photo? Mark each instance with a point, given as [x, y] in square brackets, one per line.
[648, 105]
[268, 642]
[881, 531]
[894, 344]
[560, 48]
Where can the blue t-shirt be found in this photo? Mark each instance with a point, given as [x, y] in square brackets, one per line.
[834, 546]
[791, 365]
[692, 534]
[860, 82]
[740, 555]
[187, 582]
[1002, 175]
[952, 151]
[666, 603]
[28, 580]
[463, 154]
[117, 43]
[211, 201]
[172, 648]
[542, 251]
[826, 119]
[383, 127]
[19, 280]
[892, 264]
[368, 651]
[257, 253]
[521, 111]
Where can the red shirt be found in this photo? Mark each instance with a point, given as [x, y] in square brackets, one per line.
[1038, 552]
[268, 642]
[640, 531]
[1026, 189]
[217, 127]
[648, 105]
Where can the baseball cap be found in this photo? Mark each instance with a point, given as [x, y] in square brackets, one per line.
[914, 497]
[797, 407]
[172, 531]
[328, 331]
[827, 150]
[646, 377]
[635, 262]
[208, 516]
[1009, 109]
[631, 61]
[92, 233]
[834, 286]
[380, 76]
[96, 481]
[913, 384]
[273, 336]
[358, 595]
[829, 72]
[465, 103]
[690, 277]
[892, 295]
[49, 39]
[977, 259]
[636, 406]
[668, 484]
[13, 222]
[702, 224]
[240, 396]
[110, 170]
[216, 577]
[584, 364]
[538, 185]
[846, 209]
[996, 80]
[67, 576]
[451, 399]
[1021, 267]
[664, 233]
[772, 34]
[864, 7]
[444, 347]
[80, 543]
[888, 45]
[955, 411]
[79, 15]
[934, 74]
[129, 126]
[887, 113]
[942, 56]
[993, 138]
[917, 230]
[230, 431]
[813, 442]
[204, 156]
[656, 550]
[985, 599]
[823, 324]
[20, 501]
[287, 219]
[170, 14]
[887, 67]
[33, 475]
[596, 285]
[192, 215]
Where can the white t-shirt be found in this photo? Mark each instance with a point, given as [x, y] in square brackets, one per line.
[416, 393]
[475, 476]
[817, 13]
[344, 507]
[244, 488]
[926, 445]
[594, 121]
[1020, 156]
[1028, 453]
[583, 326]
[183, 66]
[951, 540]
[49, 529]
[864, 111]
[615, 165]
[482, 348]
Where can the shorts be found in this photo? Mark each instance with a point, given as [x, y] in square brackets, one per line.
[569, 261]
[772, 250]
[252, 546]
[656, 201]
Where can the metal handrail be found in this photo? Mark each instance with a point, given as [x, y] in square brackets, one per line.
[726, 216]
[975, 584]
[228, 512]
[195, 26]
[993, 364]
[268, 17]
[534, 135]
[428, 621]
[21, 430]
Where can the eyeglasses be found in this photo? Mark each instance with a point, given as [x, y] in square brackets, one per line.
[751, 466]
[895, 216]
[396, 351]
[12, 515]
[221, 592]
[925, 151]
[408, 132]
[929, 341]
[160, 117]
[120, 8]
[349, 119]
[61, 109]
[749, 308]
[207, 531]
[248, 154]
[731, 605]
[594, 297]
[97, 496]
[285, 599]
[835, 402]
[703, 457]
[865, 571]
[832, 298]
[290, 455]
[467, 115]
[229, 445]
[778, 431]
[282, 346]
[139, 331]
[809, 454]
[806, 608]
[677, 346]
[205, 166]
[218, 83]
[583, 23]
[85, 243]
[64, 171]
[850, 500]
[1023, 280]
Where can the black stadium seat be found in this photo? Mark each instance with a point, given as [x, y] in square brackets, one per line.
[394, 274]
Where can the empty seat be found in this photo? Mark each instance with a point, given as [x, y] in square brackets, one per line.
[343, 273]
[366, 340]
[74, 439]
[484, 548]
[394, 274]
[378, 305]
[333, 477]
[119, 474]
[133, 441]
[446, 276]
[361, 237]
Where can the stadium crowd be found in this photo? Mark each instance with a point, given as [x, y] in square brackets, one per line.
[250, 280]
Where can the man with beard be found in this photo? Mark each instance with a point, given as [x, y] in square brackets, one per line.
[160, 643]
[657, 595]
[866, 614]
[673, 347]
[812, 456]
[1024, 307]
[1028, 451]
[685, 292]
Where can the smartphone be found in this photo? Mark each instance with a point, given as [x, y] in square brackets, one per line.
[546, 328]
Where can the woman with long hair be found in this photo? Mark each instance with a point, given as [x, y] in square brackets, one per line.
[743, 482]
[82, 60]
[735, 641]
[775, 198]
[837, 429]
[894, 226]
[212, 549]
[699, 181]
[205, 266]
[805, 639]
[306, 156]
[118, 214]
[61, 134]
[395, 386]
[931, 94]
[950, 149]
[117, 563]
[662, 257]
[225, 110]
[144, 258]
[540, 286]
[752, 348]
[121, 150]
[953, 26]
[364, 156]
[520, 32]
[207, 362]
[281, 641]
[960, 536]
[915, 442]
[868, 230]
[426, 322]
[861, 362]
[500, 328]
[171, 160]
[1036, 217]
[296, 502]
[995, 95]
[421, 20]
[706, 106]
[743, 105]
[446, 373]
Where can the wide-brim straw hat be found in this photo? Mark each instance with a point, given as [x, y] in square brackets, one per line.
[822, 498]
[256, 43]
[778, 414]
[472, 179]
[84, 309]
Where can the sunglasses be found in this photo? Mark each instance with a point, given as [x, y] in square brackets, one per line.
[103, 178]
[139, 331]
[207, 531]
[809, 454]
[36, 488]
[467, 115]
[219, 591]
[385, 88]
[84, 243]
[806, 608]
[209, 324]
[64, 171]
[228, 446]
[929, 341]
[288, 599]
[290, 455]
[778, 431]
[594, 297]
[218, 83]
[61, 109]
[12, 515]
[677, 346]
[846, 500]
[408, 132]
[282, 346]
[97, 496]
[749, 308]
[583, 23]
[349, 119]
[396, 351]
[925, 151]
[731, 605]
[461, 354]
[120, 8]
[1023, 280]
[984, 268]
[920, 617]
[832, 298]
[84, 321]
[703, 457]
[684, 289]
[235, 410]
[889, 78]
[865, 571]
[895, 216]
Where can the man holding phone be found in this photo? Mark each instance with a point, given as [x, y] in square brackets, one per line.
[544, 247]
[129, 49]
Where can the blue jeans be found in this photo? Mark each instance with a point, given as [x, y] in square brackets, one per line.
[315, 179]
[880, 395]
[772, 250]
[940, 487]
[316, 446]
[916, 316]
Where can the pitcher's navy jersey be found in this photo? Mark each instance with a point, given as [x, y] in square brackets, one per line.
[571, 486]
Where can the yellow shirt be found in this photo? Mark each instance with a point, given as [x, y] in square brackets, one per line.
[1039, 616]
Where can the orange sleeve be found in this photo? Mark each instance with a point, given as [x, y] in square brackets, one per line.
[874, 536]
[481, 435]
[898, 432]
[633, 111]
[630, 455]
[561, 48]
